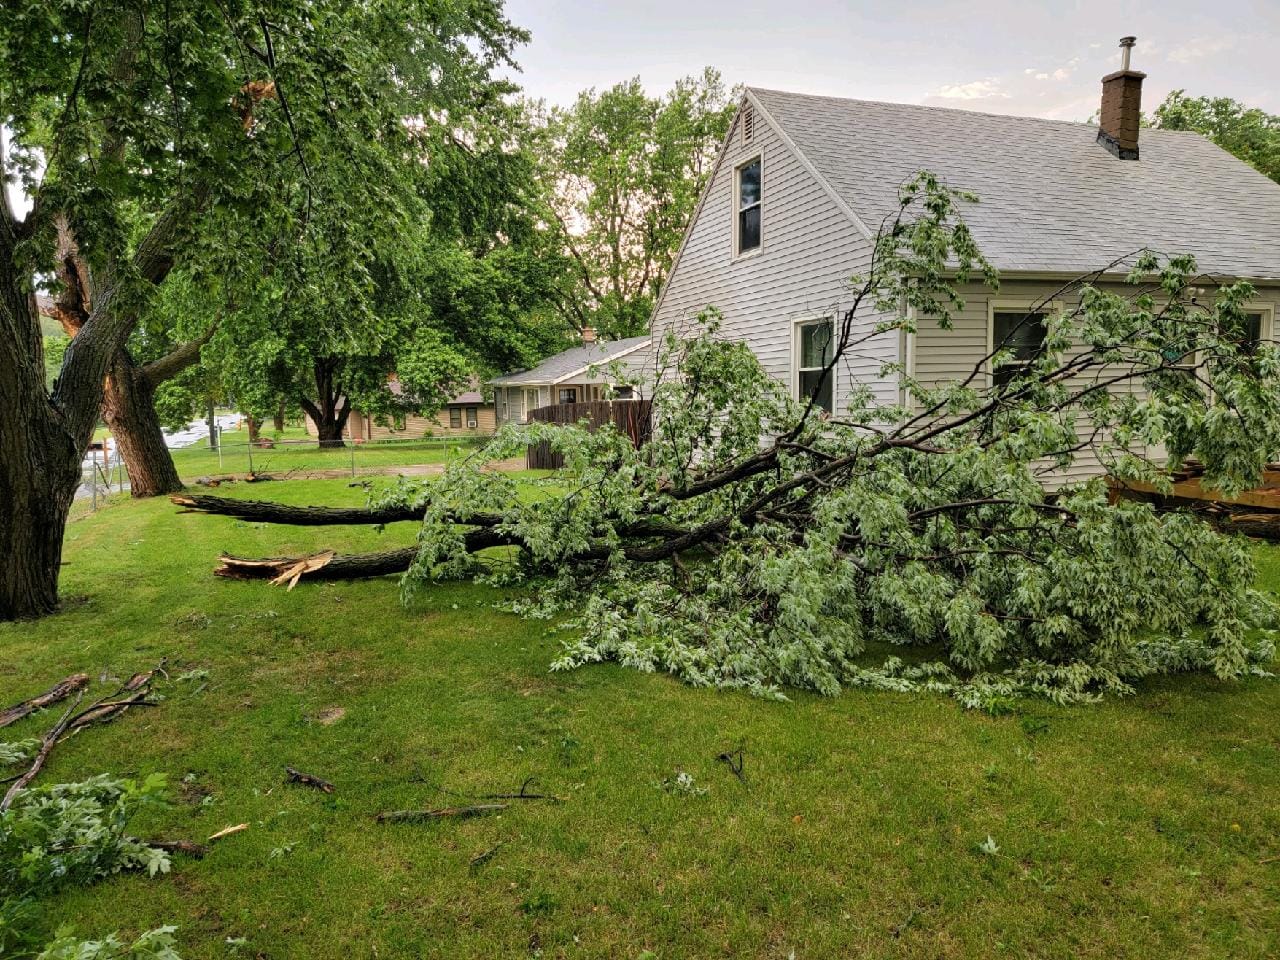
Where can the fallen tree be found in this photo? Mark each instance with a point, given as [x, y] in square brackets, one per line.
[758, 543]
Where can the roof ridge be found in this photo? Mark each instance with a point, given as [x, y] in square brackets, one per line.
[940, 109]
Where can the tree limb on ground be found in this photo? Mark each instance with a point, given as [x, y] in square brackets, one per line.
[421, 816]
[47, 744]
[60, 691]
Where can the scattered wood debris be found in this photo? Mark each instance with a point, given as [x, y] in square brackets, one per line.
[136, 691]
[228, 831]
[55, 694]
[1254, 513]
[422, 816]
[307, 780]
[46, 747]
[480, 859]
[524, 794]
[194, 850]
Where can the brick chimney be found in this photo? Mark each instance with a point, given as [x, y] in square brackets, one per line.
[1121, 106]
[588, 334]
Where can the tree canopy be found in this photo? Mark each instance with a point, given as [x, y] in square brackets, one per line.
[623, 172]
[1249, 133]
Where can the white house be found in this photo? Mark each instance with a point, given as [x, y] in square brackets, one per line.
[577, 375]
[802, 182]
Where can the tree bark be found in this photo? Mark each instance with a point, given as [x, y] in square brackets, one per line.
[278, 418]
[254, 428]
[330, 410]
[128, 407]
[128, 403]
[211, 421]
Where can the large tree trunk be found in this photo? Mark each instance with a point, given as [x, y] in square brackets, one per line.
[39, 474]
[128, 399]
[278, 418]
[128, 406]
[329, 412]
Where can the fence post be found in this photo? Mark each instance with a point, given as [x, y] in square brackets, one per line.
[353, 456]
[249, 449]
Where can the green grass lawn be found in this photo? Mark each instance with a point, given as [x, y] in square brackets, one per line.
[294, 450]
[1140, 828]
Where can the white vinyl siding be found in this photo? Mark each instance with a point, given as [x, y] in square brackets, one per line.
[810, 250]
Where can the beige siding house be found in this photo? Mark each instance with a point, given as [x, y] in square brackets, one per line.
[467, 414]
[803, 181]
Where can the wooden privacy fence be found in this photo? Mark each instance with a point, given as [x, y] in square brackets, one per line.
[632, 417]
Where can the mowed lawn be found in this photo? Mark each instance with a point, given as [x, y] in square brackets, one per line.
[294, 450]
[1148, 827]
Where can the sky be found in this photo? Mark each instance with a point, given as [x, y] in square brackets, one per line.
[1026, 57]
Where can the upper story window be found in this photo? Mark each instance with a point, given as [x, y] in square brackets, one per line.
[747, 194]
[813, 353]
[1021, 334]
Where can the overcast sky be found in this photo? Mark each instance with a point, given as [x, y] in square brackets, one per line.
[1027, 57]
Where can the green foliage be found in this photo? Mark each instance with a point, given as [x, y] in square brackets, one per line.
[157, 944]
[623, 172]
[753, 544]
[1249, 133]
[68, 834]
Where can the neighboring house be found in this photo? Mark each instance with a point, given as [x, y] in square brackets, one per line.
[802, 182]
[466, 414]
[577, 375]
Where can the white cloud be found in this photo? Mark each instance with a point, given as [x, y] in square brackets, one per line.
[974, 90]
[1198, 48]
[1042, 76]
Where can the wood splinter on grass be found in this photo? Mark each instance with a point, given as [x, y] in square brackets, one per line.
[227, 831]
[307, 780]
[421, 816]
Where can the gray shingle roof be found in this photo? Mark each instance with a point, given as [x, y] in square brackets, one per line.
[1051, 198]
[554, 369]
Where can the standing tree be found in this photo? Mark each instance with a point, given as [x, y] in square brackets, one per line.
[465, 281]
[623, 172]
[1251, 134]
[185, 133]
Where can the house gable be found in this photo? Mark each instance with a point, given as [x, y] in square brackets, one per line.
[812, 243]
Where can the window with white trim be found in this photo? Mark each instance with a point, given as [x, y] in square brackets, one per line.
[1253, 333]
[567, 395]
[813, 352]
[747, 196]
[1020, 334]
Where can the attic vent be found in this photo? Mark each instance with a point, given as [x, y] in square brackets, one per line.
[748, 124]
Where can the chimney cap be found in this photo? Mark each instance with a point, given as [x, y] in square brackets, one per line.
[1128, 41]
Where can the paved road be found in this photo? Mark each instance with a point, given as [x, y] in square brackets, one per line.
[197, 431]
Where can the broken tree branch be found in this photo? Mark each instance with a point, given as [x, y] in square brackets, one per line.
[56, 693]
[307, 780]
[422, 816]
[46, 747]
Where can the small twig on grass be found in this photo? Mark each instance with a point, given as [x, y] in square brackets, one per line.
[59, 691]
[46, 746]
[307, 780]
[524, 794]
[421, 816]
[734, 760]
[227, 831]
[480, 859]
